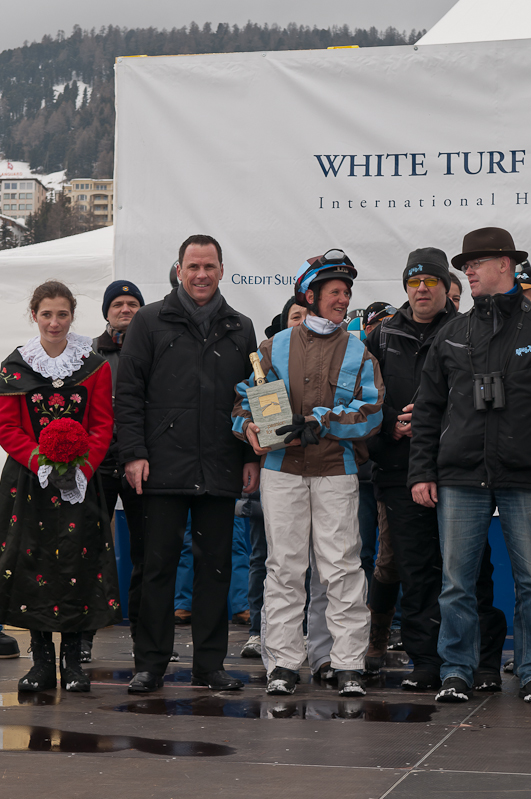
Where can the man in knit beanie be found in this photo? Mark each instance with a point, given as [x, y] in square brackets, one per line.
[121, 300]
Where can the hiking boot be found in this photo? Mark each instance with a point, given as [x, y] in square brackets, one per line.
[282, 681]
[242, 618]
[85, 651]
[350, 683]
[42, 675]
[395, 640]
[454, 689]
[252, 648]
[325, 673]
[73, 678]
[525, 692]
[378, 641]
[508, 666]
[183, 616]
[486, 680]
[421, 679]
[8, 646]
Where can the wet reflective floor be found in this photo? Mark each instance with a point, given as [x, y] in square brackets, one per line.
[212, 706]
[185, 741]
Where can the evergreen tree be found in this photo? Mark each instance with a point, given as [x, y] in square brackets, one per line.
[52, 133]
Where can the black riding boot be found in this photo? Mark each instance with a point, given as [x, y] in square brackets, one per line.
[73, 678]
[42, 674]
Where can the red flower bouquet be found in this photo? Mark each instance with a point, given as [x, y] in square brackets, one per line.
[63, 443]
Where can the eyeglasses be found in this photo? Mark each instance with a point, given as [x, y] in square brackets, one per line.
[477, 262]
[429, 282]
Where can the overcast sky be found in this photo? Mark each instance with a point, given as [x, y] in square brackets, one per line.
[33, 18]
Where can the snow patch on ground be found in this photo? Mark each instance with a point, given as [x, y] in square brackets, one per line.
[81, 86]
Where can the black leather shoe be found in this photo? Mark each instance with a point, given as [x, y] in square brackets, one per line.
[217, 680]
[144, 682]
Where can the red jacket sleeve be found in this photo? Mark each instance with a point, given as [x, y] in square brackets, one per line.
[14, 438]
[99, 418]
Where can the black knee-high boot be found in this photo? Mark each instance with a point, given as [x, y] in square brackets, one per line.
[73, 678]
[42, 674]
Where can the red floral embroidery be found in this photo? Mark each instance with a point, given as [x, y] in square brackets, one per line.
[71, 527]
[36, 397]
[75, 398]
[16, 375]
[56, 610]
[100, 577]
[83, 552]
[13, 520]
[40, 579]
[114, 604]
[44, 422]
[56, 399]
[28, 552]
[13, 492]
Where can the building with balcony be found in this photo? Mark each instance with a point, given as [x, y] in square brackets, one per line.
[20, 198]
[92, 196]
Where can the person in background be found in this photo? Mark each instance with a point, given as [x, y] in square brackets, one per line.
[456, 290]
[181, 360]
[523, 278]
[291, 315]
[57, 556]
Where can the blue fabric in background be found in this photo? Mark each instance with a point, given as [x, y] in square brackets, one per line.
[239, 585]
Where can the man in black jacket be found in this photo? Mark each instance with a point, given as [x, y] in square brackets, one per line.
[178, 368]
[471, 451]
[401, 345]
[121, 301]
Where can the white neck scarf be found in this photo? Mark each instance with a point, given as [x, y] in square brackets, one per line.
[320, 325]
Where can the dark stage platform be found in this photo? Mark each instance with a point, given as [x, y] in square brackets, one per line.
[191, 742]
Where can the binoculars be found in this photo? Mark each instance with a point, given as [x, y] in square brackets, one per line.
[489, 389]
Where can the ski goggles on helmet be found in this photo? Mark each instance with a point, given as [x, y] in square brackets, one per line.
[333, 264]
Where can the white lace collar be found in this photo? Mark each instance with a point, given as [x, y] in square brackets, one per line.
[68, 362]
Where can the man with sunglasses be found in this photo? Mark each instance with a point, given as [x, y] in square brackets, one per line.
[309, 488]
[471, 452]
[401, 345]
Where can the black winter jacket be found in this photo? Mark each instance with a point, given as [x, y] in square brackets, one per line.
[454, 444]
[175, 395]
[401, 353]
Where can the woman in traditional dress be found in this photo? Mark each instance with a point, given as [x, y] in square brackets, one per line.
[57, 565]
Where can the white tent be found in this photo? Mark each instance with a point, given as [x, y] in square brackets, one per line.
[84, 262]
[482, 21]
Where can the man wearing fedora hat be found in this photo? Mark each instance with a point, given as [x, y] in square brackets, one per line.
[471, 451]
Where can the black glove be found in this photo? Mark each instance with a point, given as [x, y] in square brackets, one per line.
[300, 429]
[66, 481]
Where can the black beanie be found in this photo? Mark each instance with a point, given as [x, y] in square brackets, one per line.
[428, 261]
[118, 289]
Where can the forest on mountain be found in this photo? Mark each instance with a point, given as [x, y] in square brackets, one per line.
[73, 128]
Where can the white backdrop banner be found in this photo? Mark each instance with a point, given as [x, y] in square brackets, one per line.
[283, 155]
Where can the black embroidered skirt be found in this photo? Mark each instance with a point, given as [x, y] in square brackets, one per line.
[57, 564]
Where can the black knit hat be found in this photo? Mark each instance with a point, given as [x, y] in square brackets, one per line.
[118, 289]
[428, 261]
